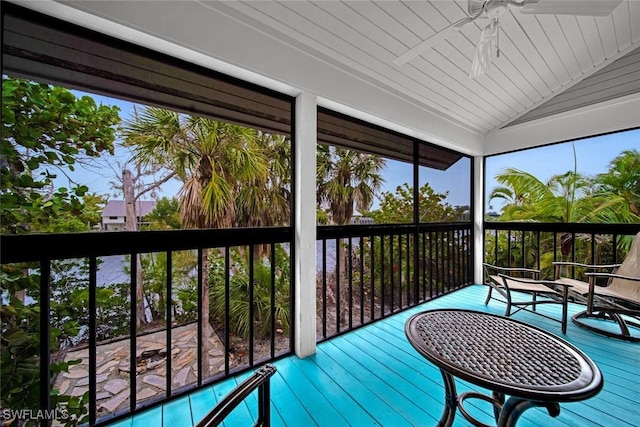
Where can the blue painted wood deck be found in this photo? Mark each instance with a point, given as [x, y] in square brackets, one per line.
[373, 377]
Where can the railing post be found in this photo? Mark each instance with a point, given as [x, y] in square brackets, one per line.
[45, 349]
[264, 399]
[93, 308]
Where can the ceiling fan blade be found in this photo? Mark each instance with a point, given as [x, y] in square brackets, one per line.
[426, 44]
[570, 7]
[485, 50]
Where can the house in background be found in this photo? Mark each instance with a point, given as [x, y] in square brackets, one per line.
[114, 214]
[358, 218]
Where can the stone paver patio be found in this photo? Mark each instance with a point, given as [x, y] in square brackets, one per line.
[113, 366]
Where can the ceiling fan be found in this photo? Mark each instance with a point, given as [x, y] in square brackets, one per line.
[487, 46]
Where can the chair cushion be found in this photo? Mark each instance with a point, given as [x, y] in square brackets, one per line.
[583, 289]
[576, 285]
[627, 289]
[523, 287]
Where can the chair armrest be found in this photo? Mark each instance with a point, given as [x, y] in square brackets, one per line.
[592, 266]
[597, 267]
[541, 282]
[614, 276]
[512, 269]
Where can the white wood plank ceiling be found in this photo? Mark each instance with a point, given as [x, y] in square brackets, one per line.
[343, 52]
[540, 55]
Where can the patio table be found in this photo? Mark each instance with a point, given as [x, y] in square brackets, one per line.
[510, 358]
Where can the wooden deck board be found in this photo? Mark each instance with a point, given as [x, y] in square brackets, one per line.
[372, 376]
[201, 402]
[288, 395]
[381, 379]
[151, 417]
[329, 388]
[242, 415]
[177, 412]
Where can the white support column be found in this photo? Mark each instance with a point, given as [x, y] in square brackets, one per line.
[305, 229]
[478, 217]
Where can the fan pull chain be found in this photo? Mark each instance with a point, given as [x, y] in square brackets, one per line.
[498, 38]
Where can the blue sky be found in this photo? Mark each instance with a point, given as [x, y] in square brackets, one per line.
[593, 156]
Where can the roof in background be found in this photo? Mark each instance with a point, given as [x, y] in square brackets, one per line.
[117, 208]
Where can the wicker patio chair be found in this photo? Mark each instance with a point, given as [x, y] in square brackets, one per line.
[521, 291]
[618, 301]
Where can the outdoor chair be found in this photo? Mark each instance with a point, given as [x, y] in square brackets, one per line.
[522, 292]
[618, 301]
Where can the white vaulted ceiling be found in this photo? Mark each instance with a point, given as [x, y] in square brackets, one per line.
[541, 55]
[343, 52]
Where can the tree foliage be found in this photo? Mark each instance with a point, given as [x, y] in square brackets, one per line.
[232, 176]
[347, 179]
[610, 197]
[398, 207]
[623, 179]
[242, 308]
[166, 215]
[44, 130]
[568, 197]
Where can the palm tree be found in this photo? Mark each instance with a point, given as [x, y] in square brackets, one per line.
[623, 179]
[567, 197]
[267, 202]
[217, 162]
[347, 178]
[515, 181]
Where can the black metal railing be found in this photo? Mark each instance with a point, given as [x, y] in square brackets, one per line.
[538, 245]
[368, 272]
[364, 273]
[258, 380]
[249, 279]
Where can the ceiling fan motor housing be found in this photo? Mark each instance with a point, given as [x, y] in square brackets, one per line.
[491, 8]
[495, 8]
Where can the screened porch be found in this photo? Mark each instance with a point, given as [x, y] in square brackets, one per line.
[302, 71]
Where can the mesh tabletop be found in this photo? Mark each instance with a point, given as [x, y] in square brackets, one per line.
[503, 354]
